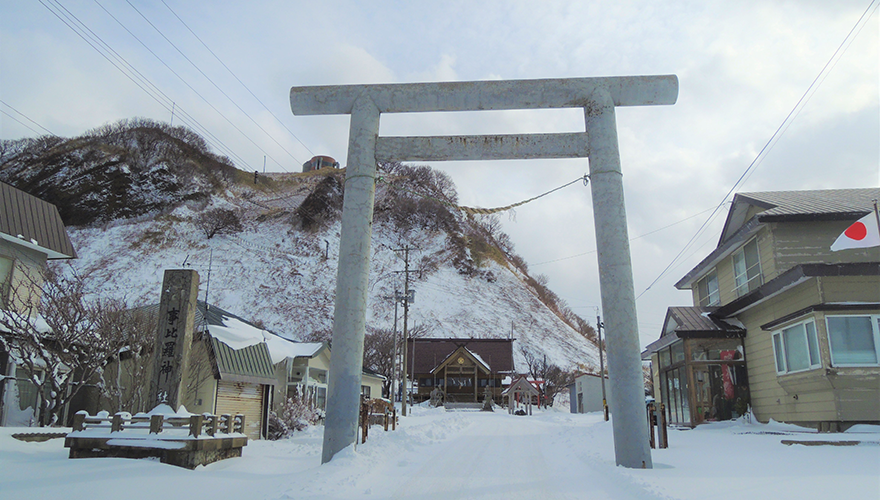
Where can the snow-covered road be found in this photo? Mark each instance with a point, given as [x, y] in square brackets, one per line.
[448, 455]
[500, 456]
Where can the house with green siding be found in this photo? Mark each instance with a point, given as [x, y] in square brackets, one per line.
[780, 323]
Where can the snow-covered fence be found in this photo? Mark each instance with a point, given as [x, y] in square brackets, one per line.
[208, 424]
[175, 438]
[376, 411]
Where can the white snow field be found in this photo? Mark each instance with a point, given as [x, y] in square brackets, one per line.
[436, 454]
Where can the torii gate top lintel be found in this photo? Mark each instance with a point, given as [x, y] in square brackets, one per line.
[484, 95]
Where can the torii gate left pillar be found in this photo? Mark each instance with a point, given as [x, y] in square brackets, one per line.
[598, 97]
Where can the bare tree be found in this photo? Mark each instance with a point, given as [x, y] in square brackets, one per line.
[554, 378]
[62, 341]
[125, 383]
[219, 221]
[378, 354]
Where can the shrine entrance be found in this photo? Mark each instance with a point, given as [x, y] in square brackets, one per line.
[598, 97]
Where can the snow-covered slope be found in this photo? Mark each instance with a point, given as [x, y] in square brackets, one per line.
[135, 196]
[280, 277]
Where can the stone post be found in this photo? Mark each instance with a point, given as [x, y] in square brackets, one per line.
[352, 276]
[616, 285]
[174, 336]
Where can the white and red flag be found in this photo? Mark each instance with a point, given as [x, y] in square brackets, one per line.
[863, 233]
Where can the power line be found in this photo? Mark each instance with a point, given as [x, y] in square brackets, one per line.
[221, 91]
[26, 118]
[204, 130]
[183, 80]
[795, 111]
[237, 78]
[121, 64]
[23, 124]
[631, 239]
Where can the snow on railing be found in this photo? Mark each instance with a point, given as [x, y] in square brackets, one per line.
[196, 425]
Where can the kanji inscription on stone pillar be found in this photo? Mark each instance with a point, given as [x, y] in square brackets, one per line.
[174, 336]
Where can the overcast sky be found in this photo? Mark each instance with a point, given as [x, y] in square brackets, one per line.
[742, 68]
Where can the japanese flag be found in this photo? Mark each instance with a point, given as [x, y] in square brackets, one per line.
[863, 233]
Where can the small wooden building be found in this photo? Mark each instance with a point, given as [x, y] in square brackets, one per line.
[461, 368]
[521, 394]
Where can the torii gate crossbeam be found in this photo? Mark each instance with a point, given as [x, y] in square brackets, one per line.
[598, 97]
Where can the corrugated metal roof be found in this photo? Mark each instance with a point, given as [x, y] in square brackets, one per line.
[783, 206]
[37, 222]
[824, 201]
[695, 321]
[824, 204]
[497, 353]
[251, 364]
[691, 322]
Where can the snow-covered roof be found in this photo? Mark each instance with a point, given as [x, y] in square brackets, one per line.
[38, 322]
[238, 333]
[468, 351]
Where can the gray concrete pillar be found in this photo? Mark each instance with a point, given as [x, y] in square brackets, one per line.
[627, 398]
[349, 316]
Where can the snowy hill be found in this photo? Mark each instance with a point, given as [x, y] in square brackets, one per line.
[278, 268]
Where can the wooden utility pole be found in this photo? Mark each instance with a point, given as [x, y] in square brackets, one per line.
[599, 326]
[407, 299]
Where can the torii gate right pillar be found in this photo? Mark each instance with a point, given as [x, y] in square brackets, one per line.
[627, 401]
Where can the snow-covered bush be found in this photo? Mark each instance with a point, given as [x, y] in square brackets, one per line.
[295, 414]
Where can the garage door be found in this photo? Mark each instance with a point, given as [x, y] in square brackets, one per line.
[237, 397]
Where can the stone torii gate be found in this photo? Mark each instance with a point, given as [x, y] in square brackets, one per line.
[598, 97]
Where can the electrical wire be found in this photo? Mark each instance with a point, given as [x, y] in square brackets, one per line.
[194, 65]
[23, 124]
[631, 239]
[237, 78]
[127, 69]
[26, 118]
[183, 80]
[795, 111]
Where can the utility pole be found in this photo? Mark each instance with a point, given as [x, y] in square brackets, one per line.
[407, 299]
[393, 389]
[599, 326]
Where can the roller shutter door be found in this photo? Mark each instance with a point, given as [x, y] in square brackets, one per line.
[247, 399]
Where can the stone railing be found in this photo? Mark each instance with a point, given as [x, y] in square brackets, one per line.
[210, 425]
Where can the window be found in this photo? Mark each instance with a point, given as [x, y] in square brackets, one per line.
[747, 268]
[365, 391]
[5, 275]
[707, 288]
[796, 348]
[321, 397]
[854, 339]
[665, 359]
[677, 351]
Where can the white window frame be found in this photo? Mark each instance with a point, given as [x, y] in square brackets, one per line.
[746, 286]
[875, 325]
[780, 354]
[707, 300]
